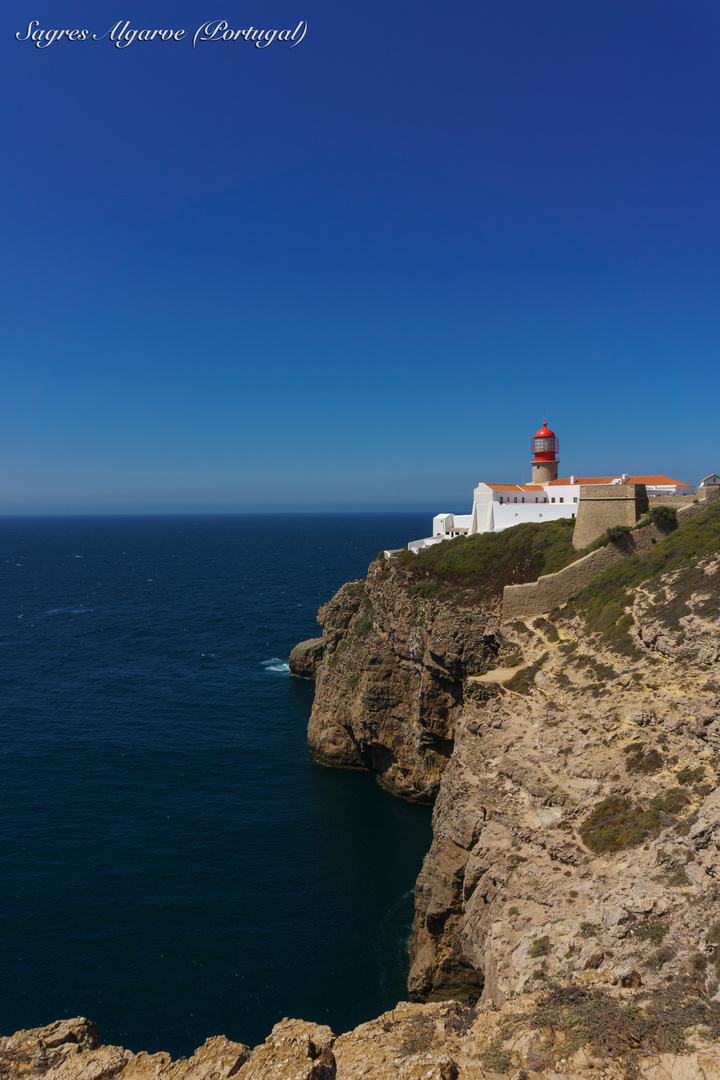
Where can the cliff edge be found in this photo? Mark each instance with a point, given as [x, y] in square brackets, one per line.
[390, 683]
[399, 645]
[561, 1034]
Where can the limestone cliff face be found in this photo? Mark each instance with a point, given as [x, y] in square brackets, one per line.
[391, 681]
[535, 873]
[599, 860]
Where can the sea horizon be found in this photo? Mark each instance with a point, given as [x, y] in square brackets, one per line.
[9, 515]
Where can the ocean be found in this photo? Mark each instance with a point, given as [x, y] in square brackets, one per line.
[173, 864]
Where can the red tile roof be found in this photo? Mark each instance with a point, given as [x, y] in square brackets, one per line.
[515, 487]
[653, 481]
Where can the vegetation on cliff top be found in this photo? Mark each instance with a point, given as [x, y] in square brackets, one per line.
[480, 566]
[567, 1017]
[603, 603]
[485, 563]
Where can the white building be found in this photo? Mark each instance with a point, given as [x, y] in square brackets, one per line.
[450, 525]
[547, 498]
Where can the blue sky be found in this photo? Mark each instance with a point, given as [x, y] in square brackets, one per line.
[357, 273]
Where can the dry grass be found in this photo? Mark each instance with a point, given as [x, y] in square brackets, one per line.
[651, 1023]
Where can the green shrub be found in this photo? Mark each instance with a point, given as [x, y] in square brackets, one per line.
[653, 929]
[641, 760]
[547, 628]
[511, 659]
[495, 1058]
[690, 776]
[343, 646]
[698, 962]
[674, 801]
[425, 588]
[665, 517]
[486, 562]
[523, 679]
[661, 957]
[661, 1021]
[540, 947]
[363, 627]
[616, 823]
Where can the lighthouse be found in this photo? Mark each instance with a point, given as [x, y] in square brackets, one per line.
[544, 448]
[549, 498]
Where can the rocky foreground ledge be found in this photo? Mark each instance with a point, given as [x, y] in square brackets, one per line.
[560, 1034]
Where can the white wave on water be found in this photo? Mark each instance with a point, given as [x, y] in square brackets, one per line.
[67, 611]
[277, 665]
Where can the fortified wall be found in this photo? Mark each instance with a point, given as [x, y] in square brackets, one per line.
[553, 590]
[603, 505]
[679, 502]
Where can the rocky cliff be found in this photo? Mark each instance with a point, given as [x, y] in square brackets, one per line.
[391, 681]
[571, 1033]
[596, 855]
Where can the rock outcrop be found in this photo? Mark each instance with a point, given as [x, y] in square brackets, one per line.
[71, 1050]
[391, 682]
[574, 1034]
[305, 658]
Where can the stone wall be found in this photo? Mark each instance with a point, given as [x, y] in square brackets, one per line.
[603, 505]
[554, 590]
[680, 502]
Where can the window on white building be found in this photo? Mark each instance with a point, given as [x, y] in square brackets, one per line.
[562, 500]
[552, 500]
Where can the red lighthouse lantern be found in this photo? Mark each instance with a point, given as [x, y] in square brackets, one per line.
[544, 447]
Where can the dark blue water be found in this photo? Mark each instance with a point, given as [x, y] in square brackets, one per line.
[172, 863]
